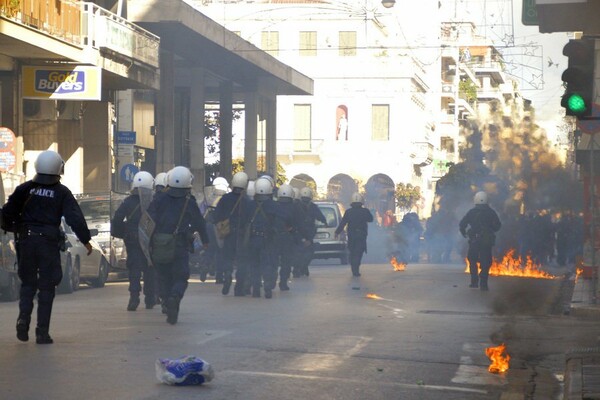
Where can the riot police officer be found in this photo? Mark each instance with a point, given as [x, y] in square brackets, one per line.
[309, 212]
[356, 217]
[230, 212]
[286, 228]
[177, 217]
[160, 181]
[480, 225]
[34, 213]
[128, 215]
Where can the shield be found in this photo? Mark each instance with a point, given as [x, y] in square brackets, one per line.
[145, 231]
[146, 196]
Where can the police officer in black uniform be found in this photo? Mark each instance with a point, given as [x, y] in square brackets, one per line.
[285, 226]
[34, 212]
[356, 217]
[176, 212]
[308, 213]
[232, 207]
[480, 225]
[128, 215]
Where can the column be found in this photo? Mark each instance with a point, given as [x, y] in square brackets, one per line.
[271, 136]
[197, 101]
[165, 135]
[226, 122]
[251, 128]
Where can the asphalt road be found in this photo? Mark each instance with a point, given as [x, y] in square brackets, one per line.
[425, 338]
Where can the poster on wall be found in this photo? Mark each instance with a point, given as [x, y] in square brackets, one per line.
[62, 83]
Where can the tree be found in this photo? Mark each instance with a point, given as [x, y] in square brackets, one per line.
[407, 196]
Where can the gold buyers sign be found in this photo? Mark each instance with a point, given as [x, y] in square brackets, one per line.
[62, 83]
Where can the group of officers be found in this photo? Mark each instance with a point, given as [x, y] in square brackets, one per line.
[262, 238]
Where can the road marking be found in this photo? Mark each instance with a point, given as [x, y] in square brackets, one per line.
[330, 358]
[395, 311]
[354, 381]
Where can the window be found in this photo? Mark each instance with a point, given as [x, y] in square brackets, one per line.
[380, 128]
[308, 43]
[347, 43]
[302, 127]
[270, 42]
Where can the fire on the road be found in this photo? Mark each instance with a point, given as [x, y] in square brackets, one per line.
[398, 266]
[511, 265]
[373, 296]
[499, 358]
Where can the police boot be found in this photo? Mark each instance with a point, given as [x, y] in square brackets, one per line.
[150, 302]
[134, 302]
[226, 284]
[256, 291]
[172, 309]
[42, 336]
[283, 285]
[23, 327]
[268, 292]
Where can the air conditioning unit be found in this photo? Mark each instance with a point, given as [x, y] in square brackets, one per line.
[39, 110]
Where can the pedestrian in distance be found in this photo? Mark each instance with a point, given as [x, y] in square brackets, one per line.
[357, 218]
[34, 212]
[176, 216]
[125, 225]
[480, 225]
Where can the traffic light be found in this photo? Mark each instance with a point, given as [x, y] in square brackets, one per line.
[579, 77]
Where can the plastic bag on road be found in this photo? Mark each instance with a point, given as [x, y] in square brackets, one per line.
[184, 371]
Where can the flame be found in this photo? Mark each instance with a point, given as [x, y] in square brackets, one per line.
[499, 358]
[578, 271]
[511, 265]
[373, 296]
[398, 266]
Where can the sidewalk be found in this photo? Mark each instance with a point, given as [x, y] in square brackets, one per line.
[582, 372]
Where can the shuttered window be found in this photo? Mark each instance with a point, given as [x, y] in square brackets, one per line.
[380, 126]
[347, 43]
[302, 133]
[270, 42]
[308, 43]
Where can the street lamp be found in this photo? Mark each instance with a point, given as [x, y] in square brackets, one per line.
[388, 3]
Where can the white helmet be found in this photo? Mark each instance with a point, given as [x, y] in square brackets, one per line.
[481, 198]
[270, 179]
[296, 193]
[180, 177]
[285, 191]
[263, 186]
[356, 198]
[239, 180]
[221, 184]
[160, 179]
[250, 189]
[142, 179]
[49, 163]
[305, 192]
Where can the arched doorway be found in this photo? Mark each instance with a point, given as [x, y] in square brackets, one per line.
[341, 122]
[340, 189]
[302, 180]
[380, 195]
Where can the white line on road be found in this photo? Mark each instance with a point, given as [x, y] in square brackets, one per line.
[353, 381]
[212, 335]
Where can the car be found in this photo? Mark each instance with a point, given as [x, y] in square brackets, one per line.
[326, 244]
[77, 266]
[10, 284]
[98, 210]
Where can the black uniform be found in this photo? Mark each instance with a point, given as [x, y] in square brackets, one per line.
[308, 212]
[285, 227]
[356, 218]
[166, 211]
[480, 225]
[37, 210]
[232, 206]
[129, 213]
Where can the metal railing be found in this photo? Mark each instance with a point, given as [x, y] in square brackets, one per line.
[84, 24]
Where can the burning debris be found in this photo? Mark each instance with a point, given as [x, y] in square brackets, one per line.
[373, 296]
[512, 265]
[499, 358]
[398, 266]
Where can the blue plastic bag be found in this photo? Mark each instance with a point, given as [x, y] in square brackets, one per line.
[184, 371]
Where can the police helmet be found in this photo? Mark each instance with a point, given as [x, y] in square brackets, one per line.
[306, 193]
[239, 180]
[480, 198]
[160, 179]
[285, 191]
[250, 189]
[221, 185]
[356, 198]
[263, 186]
[142, 179]
[296, 193]
[180, 177]
[49, 165]
[270, 179]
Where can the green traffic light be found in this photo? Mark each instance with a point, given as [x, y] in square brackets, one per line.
[576, 104]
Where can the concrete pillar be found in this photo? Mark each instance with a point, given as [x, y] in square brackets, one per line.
[251, 128]
[165, 135]
[271, 136]
[197, 101]
[226, 123]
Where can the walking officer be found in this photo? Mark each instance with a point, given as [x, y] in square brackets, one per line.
[309, 212]
[480, 225]
[230, 213]
[286, 227]
[177, 217]
[356, 217]
[126, 220]
[33, 212]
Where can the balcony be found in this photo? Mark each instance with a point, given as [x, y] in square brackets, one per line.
[299, 150]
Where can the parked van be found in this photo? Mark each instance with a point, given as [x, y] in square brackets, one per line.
[326, 245]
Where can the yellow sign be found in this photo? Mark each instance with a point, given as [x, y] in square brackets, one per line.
[62, 83]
